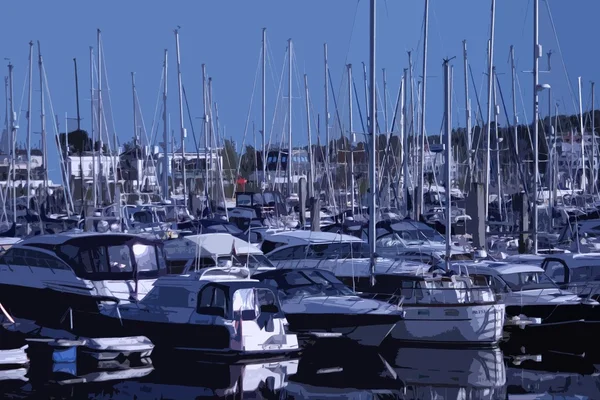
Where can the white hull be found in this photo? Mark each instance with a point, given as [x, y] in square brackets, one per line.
[455, 324]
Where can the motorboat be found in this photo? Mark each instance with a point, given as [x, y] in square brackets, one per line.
[68, 275]
[439, 308]
[317, 305]
[537, 310]
[217, 312]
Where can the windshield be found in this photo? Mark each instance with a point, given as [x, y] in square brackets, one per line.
[309, 284]
[339, 250]
[253, 262]
[416, 233]
[528, 281]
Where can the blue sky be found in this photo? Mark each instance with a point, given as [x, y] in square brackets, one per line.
[226, 36]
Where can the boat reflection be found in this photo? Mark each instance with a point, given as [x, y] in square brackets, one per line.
[436, 373]
[194, 380]
[551, 376]
[354, 373]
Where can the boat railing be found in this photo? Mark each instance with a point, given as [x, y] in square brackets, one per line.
[585, 289]
[223, 273]
[442, 295]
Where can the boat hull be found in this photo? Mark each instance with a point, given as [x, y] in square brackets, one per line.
[449, 325]
[364, 329]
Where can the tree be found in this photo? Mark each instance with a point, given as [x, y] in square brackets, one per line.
[230, 156]
[248, 162]
[79, 141]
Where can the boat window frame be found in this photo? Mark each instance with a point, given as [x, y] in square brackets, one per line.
[60, 264]
[225, 308]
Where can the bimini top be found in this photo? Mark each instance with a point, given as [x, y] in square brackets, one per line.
[208, 245]
[92, 238]
[221, 243]
[300, 237]
[235, 277]
[495, 268]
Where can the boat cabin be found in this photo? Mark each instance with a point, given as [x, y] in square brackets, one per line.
[296, 283]
[577, 273]
[228, 310]
[91, 256]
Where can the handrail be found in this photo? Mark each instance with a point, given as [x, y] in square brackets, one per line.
[225, 271]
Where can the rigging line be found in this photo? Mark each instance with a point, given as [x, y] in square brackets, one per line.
[362, 122]
[512, 145]
[277, 101]
[110, 108]
[524, 110]
[22, 100]
[247, 120]
[562, 59]
[156, 110]
[139, 111]
[337, 111]
[187, 106]
[525, 18]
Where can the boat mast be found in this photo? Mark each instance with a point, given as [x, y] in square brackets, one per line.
[311, 186]
[135, 131]
[448, 150]
[514, 105]
[29, 90]
[582, 128]
[594, 144]
[326, 116]
[165, 176]
[423, 97]
[79, 129]
[536, 54]
[405, 141]
[264, 108]
[94, 183]
[489, 110]
[206, 138]
[101, 150]
[289, 158]
[13, 137]
[467, 109]
[352, 139]
[373, 151]
[183, 131]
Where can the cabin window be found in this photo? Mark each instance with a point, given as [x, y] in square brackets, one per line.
[556, 270]
[268, 246]
[317, 278]
[162, 263]
[120, 258]
[498, 285]
[244, 200]
[31, 258]
[95, 260]
[212, 299]
[167, 296]
[244, 304]
[145, 257]
[419, 294]
[407, 289]
[296, 279]
[585, 273]
[289, 253]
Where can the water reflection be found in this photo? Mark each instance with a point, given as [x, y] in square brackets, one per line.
[349, 373]
[434, 373]
[552, 376]
[321, 372]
